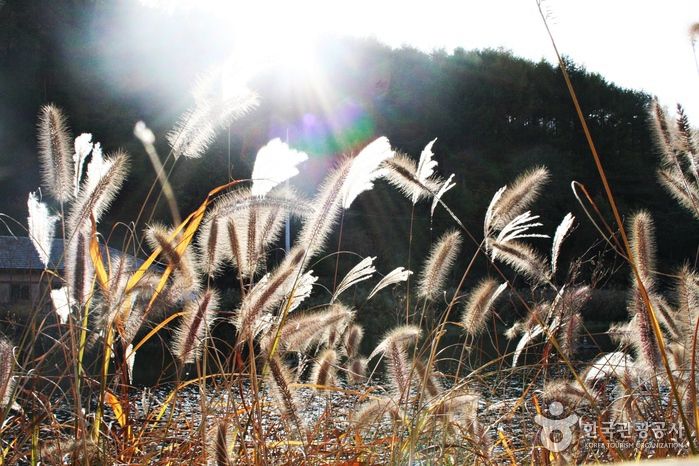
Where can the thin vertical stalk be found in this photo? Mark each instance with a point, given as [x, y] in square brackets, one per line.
[407, 281]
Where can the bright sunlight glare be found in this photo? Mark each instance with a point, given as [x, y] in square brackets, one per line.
[258, 31]
[644, 46]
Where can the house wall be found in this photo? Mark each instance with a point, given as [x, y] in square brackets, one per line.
[25, 287]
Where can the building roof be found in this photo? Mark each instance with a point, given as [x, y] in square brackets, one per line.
[18, 253]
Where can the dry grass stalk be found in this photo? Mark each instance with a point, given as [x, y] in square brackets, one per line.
[360, 272]
[281, 382]
[353, 338]
[215, 107]
[394, 347]
[323, 373]
[524, 259]
[55, 153]
[102, 183]
[199, 315]
[438, 265]
[480, 305]
[513, 200]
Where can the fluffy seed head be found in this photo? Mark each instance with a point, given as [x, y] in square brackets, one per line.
[275, 163]
[328, 203]
[401, 172]
[480, 305]
[41, 227]
[356, 370]
[216, 106]
[642, 240]
[102, 183]
[360, 272]
[425, 168]
[199, 315]
[561, 234]
[524, 259]
[512, 201]
[354, 336]
[397, 275]
[438, 264]
[324, 370]
[365, 169]
[446, 186]
[55, 153]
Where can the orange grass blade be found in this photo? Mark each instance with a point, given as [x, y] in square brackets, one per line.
[153, 332]
[503, 439]
[197, 215]
[113, 402]
[97, 262]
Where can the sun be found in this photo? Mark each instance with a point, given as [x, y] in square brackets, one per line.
[279, 32]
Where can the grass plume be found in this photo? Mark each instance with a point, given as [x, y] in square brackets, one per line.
[199, 315]
[515, 199]
[394, 348]
[480, 305]
[438, 264]
[55, 153]
[216, 106]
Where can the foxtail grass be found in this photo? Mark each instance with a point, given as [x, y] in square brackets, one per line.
[257, 387]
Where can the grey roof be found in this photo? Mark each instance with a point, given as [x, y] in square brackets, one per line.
[18, 252]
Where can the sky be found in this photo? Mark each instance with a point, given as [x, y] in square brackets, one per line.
[643, 45]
